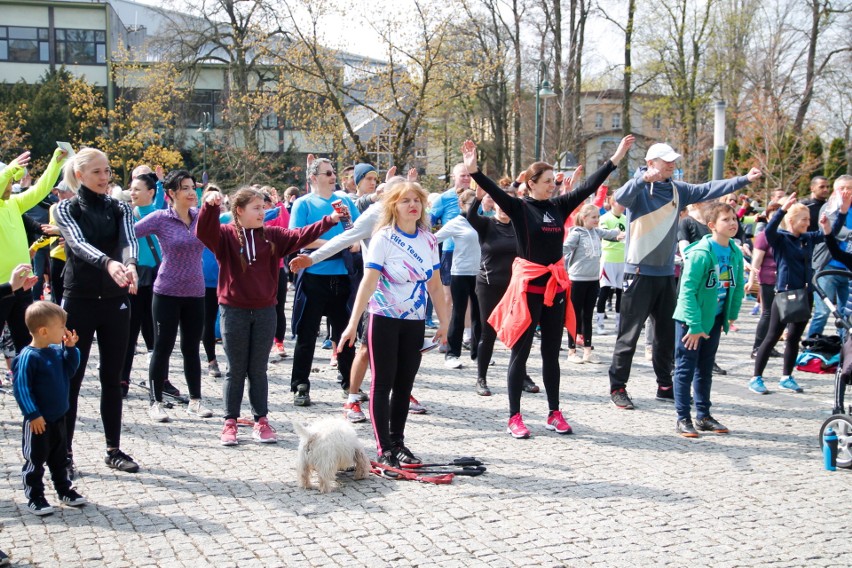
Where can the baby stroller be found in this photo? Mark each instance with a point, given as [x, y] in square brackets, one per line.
[841, 418]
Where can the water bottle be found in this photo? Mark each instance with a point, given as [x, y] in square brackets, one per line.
[345, 217]
[829, 449]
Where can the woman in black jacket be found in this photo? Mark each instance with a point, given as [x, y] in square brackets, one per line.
[100, 270]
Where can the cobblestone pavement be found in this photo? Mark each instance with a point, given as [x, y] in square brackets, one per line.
[623, 491]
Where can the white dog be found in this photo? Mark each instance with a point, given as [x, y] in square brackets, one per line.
[328, 446]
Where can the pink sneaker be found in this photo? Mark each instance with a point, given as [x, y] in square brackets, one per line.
[229, 433]
[263, 432]
[557, 423]
[516, 427]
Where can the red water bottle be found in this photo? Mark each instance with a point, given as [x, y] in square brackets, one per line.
[345, 218]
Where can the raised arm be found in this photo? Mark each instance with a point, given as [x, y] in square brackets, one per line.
[511, 205]
[479, 222]
[570, 200]
[208, 227]
[30, 198]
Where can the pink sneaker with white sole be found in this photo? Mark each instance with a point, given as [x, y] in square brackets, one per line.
[557, 423]
[517, 428]
[263, 432]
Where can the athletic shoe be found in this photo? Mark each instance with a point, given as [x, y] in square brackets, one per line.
[352, 412]
[278, 349]
[557, 423]
[775, 353]
[229, 433]
[530, 386]
[755, 310]
[649, 353]
[685, 428]
[388, 459]
[517, 428]
[157, 413]
[196, 408]
[717, 370]
[301, 397]
[466, 344]
[213, 369]
[362, 396]
[116, 459]
[415, 407]
[263, 432]
[756, 385]
[600, 329]
[404, 455]
[40, 507]
[170, 389]
[665, 394]
[326, 344]
[621, 400]
[452, 362]
[431, 324]
[790, 384]
[576, 359]
[72, 498]
[710, 424]
[125, 387]
[482, 387]
[591, 358]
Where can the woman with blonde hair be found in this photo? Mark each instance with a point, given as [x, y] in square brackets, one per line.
[401, 264]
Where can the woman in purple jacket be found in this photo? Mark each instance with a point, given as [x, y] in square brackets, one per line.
[178, 293]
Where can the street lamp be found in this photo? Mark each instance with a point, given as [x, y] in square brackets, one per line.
[204, 129]
[543, 92]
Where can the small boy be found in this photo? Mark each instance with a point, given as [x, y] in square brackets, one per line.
[710, 296]
[42, 377]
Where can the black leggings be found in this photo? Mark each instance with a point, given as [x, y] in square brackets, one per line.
[57, 282]
[551, 319]
[489, 296]
[141, 319]
[767, 298]
[281, 297]
[463, 288]
[604, 296]
[109, 318]
[394, 368]
[211, 310]
[171, 313]
[12, 310]
[773, 334]
[584, 294]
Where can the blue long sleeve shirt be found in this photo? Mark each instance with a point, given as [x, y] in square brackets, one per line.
[792, 254]
[43, 380]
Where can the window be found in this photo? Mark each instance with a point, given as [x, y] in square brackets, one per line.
[657, 122]
[599, 120]
[24, 45]
[201, 101]
[616, 120]
[81, 47]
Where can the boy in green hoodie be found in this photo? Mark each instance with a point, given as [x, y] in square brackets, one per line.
[710, 296]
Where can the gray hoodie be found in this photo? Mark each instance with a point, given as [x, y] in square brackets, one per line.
[582, 251]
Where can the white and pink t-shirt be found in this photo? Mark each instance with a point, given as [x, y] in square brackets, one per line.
[406, 262]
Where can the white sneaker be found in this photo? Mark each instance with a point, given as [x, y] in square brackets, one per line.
[574, 358]
[157, 413]
[452, 362]
[590, 357]
[195, 408]
[600, 329]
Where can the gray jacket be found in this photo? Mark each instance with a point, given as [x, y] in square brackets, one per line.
[821, 255]
[582, 250]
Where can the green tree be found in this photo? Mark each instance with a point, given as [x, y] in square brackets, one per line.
[835, 163]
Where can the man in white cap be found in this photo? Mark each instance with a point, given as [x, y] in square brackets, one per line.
[654, 202]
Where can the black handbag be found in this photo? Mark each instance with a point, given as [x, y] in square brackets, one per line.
[793, 305]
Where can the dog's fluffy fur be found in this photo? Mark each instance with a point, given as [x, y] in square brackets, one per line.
[326, 447]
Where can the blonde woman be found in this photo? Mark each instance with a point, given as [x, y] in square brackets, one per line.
[400, 266]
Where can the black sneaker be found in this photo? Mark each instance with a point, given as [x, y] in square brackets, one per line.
[170, 389]
[40, 507]
[775, 353]
[301, 396]
[70, 468]
[72, 498]
[116, 459]
[404, 455]
[685, 428]
[530, 386]
[665, 394]
[482, 387]
[710, 424]
[389, 460]
[717, 370]
[621, 400]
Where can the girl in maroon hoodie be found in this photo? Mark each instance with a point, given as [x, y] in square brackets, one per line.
[249, 255]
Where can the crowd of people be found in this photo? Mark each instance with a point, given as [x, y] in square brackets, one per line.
[521, 260]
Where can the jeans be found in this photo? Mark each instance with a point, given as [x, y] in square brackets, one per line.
[695, 367]
[837, 290]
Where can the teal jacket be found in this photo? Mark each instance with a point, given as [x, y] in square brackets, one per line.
[696, 302]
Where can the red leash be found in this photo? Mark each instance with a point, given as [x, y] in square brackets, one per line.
[444, 479]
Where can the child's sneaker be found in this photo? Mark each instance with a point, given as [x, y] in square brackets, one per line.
[229, 433]
[517, 428]
[263, 432]
[790, 384]
[40, 507]
[756, 385]
[557, 423]
[72, 498]
[196, 408]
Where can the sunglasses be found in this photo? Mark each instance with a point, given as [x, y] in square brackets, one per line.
[329, 173]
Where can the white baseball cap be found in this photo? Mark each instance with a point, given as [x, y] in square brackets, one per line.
[662, 151]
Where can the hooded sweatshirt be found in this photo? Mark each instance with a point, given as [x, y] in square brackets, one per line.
[583, 252]
[653, 212]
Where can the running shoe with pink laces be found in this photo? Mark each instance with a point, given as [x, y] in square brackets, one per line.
[352, 412]
[557, 423]
[516, 427]
[229, 433]
[415, 407]
[263, 432]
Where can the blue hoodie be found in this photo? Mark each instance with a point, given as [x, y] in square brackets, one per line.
[653, 212]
